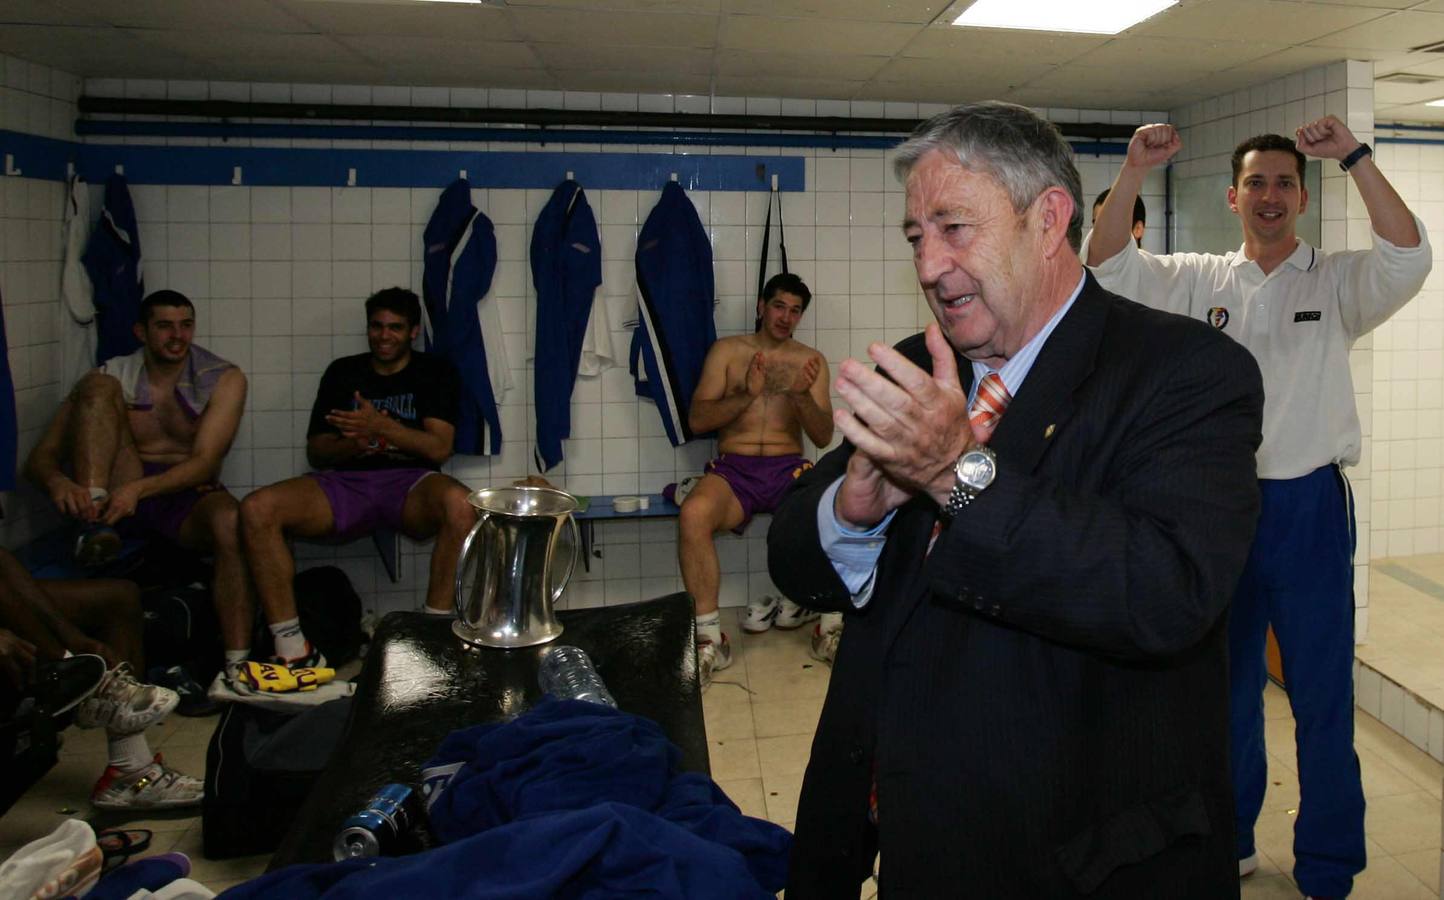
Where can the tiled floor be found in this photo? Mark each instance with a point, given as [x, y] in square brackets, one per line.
[760, 717]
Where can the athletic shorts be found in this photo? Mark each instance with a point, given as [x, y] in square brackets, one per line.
[758, 481]
[163, 514]
[365, 500]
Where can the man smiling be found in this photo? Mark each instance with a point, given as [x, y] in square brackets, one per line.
[381, 427]
[1299, 311]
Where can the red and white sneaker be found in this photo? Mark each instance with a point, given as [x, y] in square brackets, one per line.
[157, 786]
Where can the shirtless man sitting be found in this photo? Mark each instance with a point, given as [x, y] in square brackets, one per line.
[760, 392]
[136, 450]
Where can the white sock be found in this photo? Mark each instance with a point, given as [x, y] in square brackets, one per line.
[433, 611]
[290, 640]
[129, 752]
[98, 494]
[709, 627]
[234, 659]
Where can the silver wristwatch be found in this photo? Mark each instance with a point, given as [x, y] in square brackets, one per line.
[975, 470]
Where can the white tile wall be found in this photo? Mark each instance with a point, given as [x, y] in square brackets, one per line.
[1210, 130]
[1406, 367]
[34, 99]
[279, 274]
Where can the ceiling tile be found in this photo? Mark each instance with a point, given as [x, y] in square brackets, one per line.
[1165, 54]
[84, 51]
[414, 19]
[911, 11]
[1377, 4]
[829, 36]
[950, 42]
[46, 12]
[604, 58]
[1415, 113]
[634, 29]
[942, 71]
[664, 6]
[1284, 62]
[1078, 98]
[1386, 94]
[474, 73]
[244, 46]
[207, 15]
[1286, 21]
[405, 51]
[1110, 79]
[1394, 31]
[798, 65]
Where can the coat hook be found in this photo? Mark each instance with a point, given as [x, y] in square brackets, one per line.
[236, 175]
[774, 183]
[119, 169]
[350, 177]
[10, 165]
[463, 175]
[571, 176]
[69, 171]
[674, 176]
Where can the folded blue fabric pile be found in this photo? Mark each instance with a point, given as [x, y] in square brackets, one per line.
[571, 799]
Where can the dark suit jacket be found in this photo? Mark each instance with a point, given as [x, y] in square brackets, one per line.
[1044, 697]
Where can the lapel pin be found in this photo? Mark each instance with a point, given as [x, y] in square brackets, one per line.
[1048, 432]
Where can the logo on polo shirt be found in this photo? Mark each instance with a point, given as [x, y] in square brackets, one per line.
[1218, 316]
[1308, 315]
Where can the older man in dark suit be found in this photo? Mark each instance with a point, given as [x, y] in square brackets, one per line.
[1034, 526]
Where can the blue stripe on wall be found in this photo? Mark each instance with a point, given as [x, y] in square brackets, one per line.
[46, 158]
[38, 157]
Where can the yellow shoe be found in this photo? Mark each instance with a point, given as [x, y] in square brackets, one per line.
[275, 679]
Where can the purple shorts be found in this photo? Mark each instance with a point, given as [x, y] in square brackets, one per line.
[163, 514]
[758, 481]
[365, 500]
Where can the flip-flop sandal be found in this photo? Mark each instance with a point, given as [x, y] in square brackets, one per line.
[118, 845]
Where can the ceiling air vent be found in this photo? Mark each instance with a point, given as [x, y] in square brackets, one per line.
[1407, 78]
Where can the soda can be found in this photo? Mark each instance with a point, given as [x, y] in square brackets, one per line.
[381, 828]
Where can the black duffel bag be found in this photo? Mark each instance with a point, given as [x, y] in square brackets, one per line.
[260, 766]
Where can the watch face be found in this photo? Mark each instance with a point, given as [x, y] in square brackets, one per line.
[976, 470]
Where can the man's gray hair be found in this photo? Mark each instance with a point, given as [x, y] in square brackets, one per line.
[1017, 148]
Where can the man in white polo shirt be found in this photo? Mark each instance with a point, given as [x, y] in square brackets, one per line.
[1299, 311]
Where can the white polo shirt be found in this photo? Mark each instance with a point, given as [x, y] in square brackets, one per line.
[1299, 322]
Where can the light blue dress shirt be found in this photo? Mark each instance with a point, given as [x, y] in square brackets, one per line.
[854, 554]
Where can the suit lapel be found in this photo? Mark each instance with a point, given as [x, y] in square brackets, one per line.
[1031, 422]
[1045, 402]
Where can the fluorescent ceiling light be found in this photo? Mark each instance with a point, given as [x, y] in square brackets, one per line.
[1439, 102]
[1100, 17]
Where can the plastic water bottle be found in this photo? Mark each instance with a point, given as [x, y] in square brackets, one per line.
[567, 673]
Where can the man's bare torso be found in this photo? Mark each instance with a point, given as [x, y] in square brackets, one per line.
[770, 425]
[163, 433]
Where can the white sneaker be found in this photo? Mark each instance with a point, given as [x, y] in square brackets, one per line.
[1248, 865]
[825, 636]
[760, 613]
[712, 658]
[791, 616]
[157, 786]
[124, 705]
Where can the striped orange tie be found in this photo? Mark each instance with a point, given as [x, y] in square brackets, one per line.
[988, 405]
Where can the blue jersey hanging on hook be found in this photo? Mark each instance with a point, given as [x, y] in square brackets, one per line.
[113, 261]
[465, 328]
[675, 296]
[566, 267]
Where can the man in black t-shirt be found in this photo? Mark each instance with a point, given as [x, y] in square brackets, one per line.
[381, 427]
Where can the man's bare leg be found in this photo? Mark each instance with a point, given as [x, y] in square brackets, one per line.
[295, 507]
[99, 435]
[437, 505]
[214, 525]
[710, 507]
[107, 609]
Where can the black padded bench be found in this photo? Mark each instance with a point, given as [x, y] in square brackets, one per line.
[420, 683]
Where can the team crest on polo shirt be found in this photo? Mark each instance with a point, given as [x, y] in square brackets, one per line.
[1218, 316]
